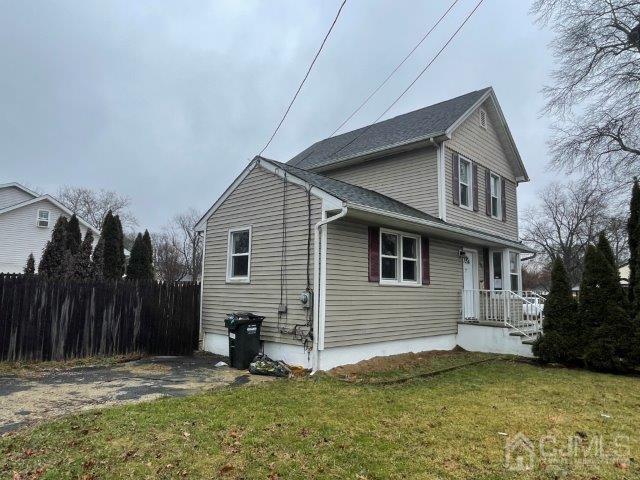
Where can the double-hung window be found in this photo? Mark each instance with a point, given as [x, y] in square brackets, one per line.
[399, 258]
[465, 183]
[514, 271]
[239, 255]
[496, 189]
[43, 218]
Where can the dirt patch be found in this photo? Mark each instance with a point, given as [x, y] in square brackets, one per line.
[404, 364]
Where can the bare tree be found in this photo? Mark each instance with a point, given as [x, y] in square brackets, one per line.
[568, 218]
[595, 95]
[181, 231]
[93, 205]
[168, 261]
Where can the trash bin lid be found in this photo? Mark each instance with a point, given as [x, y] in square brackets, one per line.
[240, 318]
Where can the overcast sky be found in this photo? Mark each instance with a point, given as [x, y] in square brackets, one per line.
[167, 101]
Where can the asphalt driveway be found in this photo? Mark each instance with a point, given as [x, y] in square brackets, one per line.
[27, 399]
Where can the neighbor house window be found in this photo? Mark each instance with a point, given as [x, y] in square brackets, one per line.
[514, 271]
[43, 218]
[495, 196]
[239, 255]
[465, 183]
[399, 258]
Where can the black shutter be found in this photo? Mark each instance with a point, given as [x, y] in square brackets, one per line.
[475, 186]
[426, 269]
[504, 199]
[374, 254]
[487, 188]
[455, 178]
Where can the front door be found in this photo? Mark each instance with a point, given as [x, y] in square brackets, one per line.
[470, 284]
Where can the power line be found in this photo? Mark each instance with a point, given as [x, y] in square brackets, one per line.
[305, 77]
[413, 82]
[383, 83]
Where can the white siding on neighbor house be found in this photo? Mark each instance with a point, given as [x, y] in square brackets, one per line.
[483, 147]
[410, 177]
[20, 235]
[12, 196]
[257, 202]
[359, 311]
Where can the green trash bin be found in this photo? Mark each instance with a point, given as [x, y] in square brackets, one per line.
[243, 329]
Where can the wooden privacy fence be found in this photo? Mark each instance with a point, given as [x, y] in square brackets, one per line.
[58, 319]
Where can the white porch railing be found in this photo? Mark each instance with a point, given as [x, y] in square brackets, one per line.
[520, 311]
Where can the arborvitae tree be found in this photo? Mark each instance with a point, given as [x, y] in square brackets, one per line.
[113, 267]
[30, 267]
[74, 237]
[54, 260]
[560, 342]
[97, 259]
[83, 267]
[606, 325]
[633, 230]
[137, 259]
[122, 261]
[149, 270]
[605, 248]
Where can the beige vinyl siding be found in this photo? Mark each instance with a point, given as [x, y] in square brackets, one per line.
[411, 178]
[257, 202]
[12, 196]
[483, 147]
[20, 235]
[358, 311]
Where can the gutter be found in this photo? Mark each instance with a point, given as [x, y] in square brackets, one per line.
[319, 285]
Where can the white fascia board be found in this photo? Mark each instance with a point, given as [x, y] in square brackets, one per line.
[201, 225]
[55, 202]
[329, 201]
[492, 95]
[449, 228]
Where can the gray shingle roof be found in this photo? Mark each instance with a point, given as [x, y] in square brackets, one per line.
[433, 120]
[352, 193]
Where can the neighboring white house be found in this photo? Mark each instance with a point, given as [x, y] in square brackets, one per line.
[397, 237]
[26, 223]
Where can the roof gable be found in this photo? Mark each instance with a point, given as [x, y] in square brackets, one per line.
[432, 122]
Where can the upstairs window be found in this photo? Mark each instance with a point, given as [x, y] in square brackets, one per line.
[496, 189]
[43, 219]
[239, 255]
[465, 183]
[399, 258]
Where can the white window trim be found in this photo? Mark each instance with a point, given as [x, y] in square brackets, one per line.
[498, 196]
[399, 257]
[230, 255]
[506, 269]
[469, 185]
[38, 218]
[518, 269]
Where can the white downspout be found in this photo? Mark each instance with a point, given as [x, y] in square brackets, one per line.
[318, 295]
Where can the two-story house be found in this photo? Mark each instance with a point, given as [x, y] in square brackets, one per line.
[26, 222]
[400, 236]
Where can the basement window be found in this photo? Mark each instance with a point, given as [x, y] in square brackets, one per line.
[239, 255]
[43, 218]
[399, 258]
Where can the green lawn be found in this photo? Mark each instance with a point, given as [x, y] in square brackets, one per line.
[445, 426]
